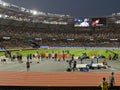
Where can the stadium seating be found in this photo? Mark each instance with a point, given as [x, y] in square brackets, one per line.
[18, 32]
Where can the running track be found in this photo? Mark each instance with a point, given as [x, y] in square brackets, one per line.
[54, 78]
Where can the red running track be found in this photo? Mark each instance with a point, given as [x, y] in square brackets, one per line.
[54, 78]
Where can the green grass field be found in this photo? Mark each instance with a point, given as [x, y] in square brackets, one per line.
[75, 51]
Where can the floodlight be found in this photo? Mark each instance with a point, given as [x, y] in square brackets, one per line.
[5, 4]
[0, 16]
[34, 12]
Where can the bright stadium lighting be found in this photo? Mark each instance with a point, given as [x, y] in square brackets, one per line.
[5, 4]
[0, 16]
[34, 12]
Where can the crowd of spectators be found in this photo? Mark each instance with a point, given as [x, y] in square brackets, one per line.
[62, 36]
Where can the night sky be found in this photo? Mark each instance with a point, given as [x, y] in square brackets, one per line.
[71, 7]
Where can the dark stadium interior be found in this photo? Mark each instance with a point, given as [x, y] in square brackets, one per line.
[52, 30]
[21, 29]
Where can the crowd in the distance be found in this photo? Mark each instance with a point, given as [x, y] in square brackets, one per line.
[61, 37]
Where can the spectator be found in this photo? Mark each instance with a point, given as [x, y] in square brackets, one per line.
[70, 63]
[74, 65]
[28, 65]
[104, 84]
[112, 80]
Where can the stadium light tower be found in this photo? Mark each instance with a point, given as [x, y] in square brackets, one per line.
[34, 12]
[4, 3]
[0, 16]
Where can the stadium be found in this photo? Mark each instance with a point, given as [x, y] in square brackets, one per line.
[51, 44]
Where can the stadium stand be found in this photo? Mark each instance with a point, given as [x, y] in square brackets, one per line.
[18, 26]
